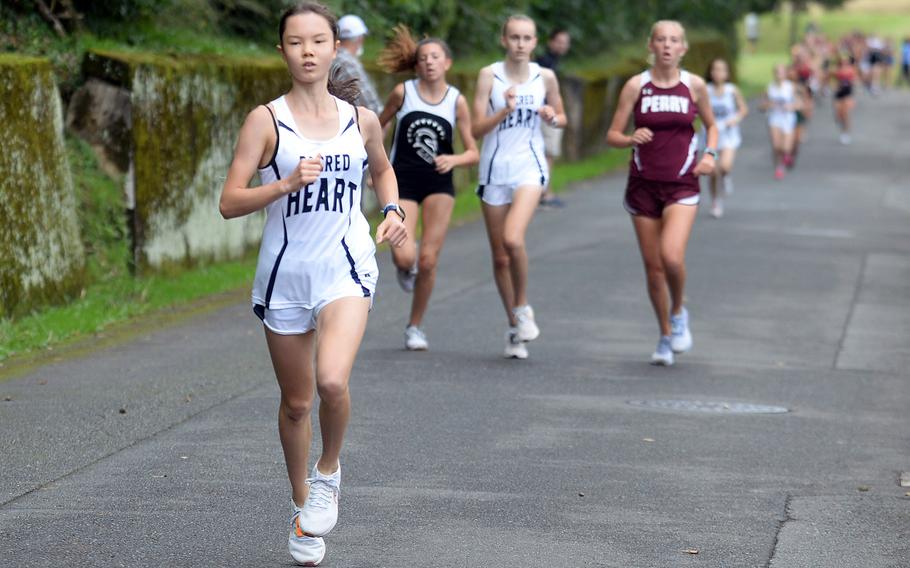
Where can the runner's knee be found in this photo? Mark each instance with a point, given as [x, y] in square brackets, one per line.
[501, 261]
[513, 243]
[673, 262]
[332, 388]
[297, 408]
[427, 262]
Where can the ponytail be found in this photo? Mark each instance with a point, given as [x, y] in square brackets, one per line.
[345, 88]
[401, 53]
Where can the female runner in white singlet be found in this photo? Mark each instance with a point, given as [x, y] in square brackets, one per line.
[317, 269]
[781, 103]
[729, 109]
[511, 99]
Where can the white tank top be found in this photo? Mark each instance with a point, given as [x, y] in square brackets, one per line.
[317, 238]
[514, 149]
[724, 104]
[780, 96]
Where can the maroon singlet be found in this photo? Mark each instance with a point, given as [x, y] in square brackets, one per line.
[671, 155]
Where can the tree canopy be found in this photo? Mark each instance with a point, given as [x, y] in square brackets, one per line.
[468, 25]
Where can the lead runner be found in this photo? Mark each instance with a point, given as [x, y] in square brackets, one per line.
[317, 268]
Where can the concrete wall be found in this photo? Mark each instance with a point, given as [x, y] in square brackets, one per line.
[184, 115]
[41, 254]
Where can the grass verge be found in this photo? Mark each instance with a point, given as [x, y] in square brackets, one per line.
[112, 304]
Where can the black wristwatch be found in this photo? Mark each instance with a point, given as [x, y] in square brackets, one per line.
[393, 207]
[711, 152]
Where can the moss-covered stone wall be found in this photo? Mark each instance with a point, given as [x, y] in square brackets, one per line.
[186, 113]
[41, 254]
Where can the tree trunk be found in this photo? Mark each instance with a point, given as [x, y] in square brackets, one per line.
[797, 7]
[48, 15]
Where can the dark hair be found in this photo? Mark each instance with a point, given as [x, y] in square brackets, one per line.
[346, 90]
[401, 52]
[708, 78]
[556, 31]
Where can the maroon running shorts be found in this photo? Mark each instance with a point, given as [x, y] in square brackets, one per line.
[649, 198]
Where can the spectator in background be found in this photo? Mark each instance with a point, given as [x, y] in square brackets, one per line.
[352, 33]
[888, 63]
[751, 24]
[558, 45]
[875, 62]
[905, 60]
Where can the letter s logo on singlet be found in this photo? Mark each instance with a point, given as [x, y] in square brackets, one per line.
[424, 135]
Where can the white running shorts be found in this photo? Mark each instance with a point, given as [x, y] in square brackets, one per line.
[729, 138]
[299, 320]
[497, 195]
[785, 122]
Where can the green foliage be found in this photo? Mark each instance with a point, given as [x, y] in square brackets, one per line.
[113, 11]
[101, 213]
[254, 19]
[596, 26]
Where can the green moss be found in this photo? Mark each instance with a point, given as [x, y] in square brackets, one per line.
[186, 113]
[41, 253]
[102, 217]
[11, 60]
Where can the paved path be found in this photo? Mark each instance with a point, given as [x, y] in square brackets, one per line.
[163, 451]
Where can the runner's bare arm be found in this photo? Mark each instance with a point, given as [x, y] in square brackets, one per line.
[255, 145]
[616, 135]
[482, 124]
[391, 229]
[553, 112]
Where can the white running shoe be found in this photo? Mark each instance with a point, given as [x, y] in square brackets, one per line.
[306, 550]
[515, 348]
[527, 328]
[415, 339]
[407, 278]
[320, 511]
[845, 139]
[717, 210]
[663, 355]
[680, 336]
[728, 185]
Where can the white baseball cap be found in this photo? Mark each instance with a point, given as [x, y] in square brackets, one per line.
[351, 26]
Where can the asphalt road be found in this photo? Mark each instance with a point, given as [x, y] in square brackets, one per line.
[163, 451]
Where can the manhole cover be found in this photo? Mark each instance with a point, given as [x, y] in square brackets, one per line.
[715, 407]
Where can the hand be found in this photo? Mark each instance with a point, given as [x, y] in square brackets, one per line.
[306, 172]
[641, 136]
[731, 123]
[392, 230]
[511, 101]
[705, 166]
[547, 113]
[445, 163]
